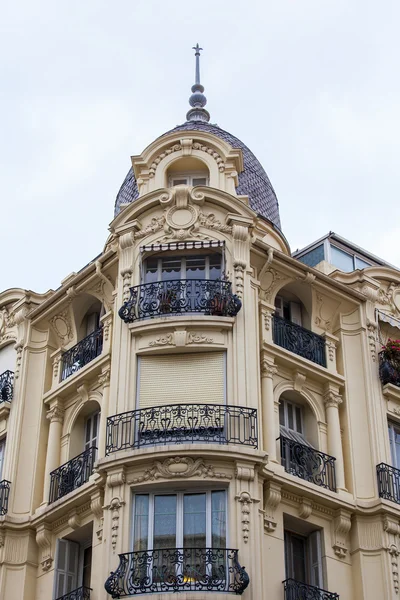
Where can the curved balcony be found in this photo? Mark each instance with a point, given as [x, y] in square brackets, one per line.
[295, 590]
[388, 482]
[177, 297]
[5, 487]
[182, 424]
[72, 474]
[6, 386]
[82, 353]
[177, 570]
[308, 464]
[299, 340]
[389, 370]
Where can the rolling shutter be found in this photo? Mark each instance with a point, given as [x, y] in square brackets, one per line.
[197, 378]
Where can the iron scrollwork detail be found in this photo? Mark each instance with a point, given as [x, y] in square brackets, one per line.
[182, 424]
[295, 590]
[5, 487]
[177, 570]
[72, 474]
[82, 353]
[6, 386]
[388, 482]
[299, 340]
[308, 464]
[81, 593]
[174, 297]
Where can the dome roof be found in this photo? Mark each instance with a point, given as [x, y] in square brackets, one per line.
[253, 181]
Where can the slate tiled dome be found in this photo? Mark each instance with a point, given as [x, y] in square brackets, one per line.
[253, 181]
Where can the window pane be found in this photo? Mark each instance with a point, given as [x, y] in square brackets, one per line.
[298, 419]
[199, 181]
[151, 270]
[218, 519]
[313, 257]
[179, 181]
[194, 521]
[290, 423]
[164, 522]
[215, 266]
[141, 523]
[195, 267]
[282, 413]
[361, 264]
[298, 553]
[342, 260]
[171, 268]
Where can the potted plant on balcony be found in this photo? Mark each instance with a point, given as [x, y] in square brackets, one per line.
[389, 369]
[166, 299]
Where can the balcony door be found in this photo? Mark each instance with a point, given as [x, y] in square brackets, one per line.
[303, 559]
[394, 440]
[2, 453]
[190, 522]
[66, 572]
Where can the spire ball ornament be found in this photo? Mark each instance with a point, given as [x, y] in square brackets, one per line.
[197, 100]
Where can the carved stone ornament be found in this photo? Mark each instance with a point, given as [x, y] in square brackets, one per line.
[394, 555]
[270, 280]
[332, 399]
[305, 508]
[155, 224]
[372, 329]
[325, 316]
[179, 467]
[96, 506]
[55, 414]
[272, 499]
[246, 502]
[209, 221]
[198, 338]
[7, 323]
[43, 540]
[114, 507]
[162, 340]
[187, 146]
[268, 369]
[341, 528]
[62, 327]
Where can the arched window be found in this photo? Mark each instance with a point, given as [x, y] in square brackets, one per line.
[187, 171]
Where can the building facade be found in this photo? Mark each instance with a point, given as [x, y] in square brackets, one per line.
[196, 410]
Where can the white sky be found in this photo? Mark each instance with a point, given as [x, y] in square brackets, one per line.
[311, 86]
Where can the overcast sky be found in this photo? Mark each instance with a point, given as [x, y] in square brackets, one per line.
[311, 86]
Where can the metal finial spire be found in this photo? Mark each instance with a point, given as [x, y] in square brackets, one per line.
[197, 100]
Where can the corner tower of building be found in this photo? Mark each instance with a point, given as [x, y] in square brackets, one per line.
[251, 181]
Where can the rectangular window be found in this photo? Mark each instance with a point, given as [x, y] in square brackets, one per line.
[176, 268]
[291, 311]
[394, 440]
[66, 572]
[342, 260]
[91, 430]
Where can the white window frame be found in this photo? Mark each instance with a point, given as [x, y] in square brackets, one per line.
[183, 265]
[179, 515]
[285, 404]
[2, 456]
[189, 177]
[68, 543]
[93, 438]
[392, 426]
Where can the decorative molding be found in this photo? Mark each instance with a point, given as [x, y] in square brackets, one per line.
[55, 414]
[341, 527]
[165, 340]
[198, 338]
[246, 501]
[43, 540]
[299, 380]
[114, 479]
[332, 399]
[268, 369]
[62, 325]
[7, 323]
[372, 329]
[209, 221]
[156, 223]
[83, 392]
[115, 506]
[73, 519]
[18, 347]
[211, 152]
[104, 378]
[331, 346]
[305, 508]
[244, 472]
[391, 525]
[96, 506]
[179, 467]
[158, 159]
[394, 555]
[270, 280]
[272, 499]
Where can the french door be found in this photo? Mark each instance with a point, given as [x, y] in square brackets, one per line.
[176, 530]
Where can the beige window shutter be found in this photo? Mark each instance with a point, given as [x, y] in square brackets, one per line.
[197, 378]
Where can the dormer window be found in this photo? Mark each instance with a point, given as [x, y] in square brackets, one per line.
[192, 179]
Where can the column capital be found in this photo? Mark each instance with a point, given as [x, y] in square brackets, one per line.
[55, 412]
[268, 369]
[332, 399]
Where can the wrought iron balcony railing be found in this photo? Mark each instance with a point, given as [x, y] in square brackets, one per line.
[81, 593]
[389, 370]
[6, 386]
[177, 570]
[83, 353]
[299, 340]
[307, 463]
[72, 474]
[182, 424]
[388, 482]
[175, 297]
[5, 487]
[295, 590]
